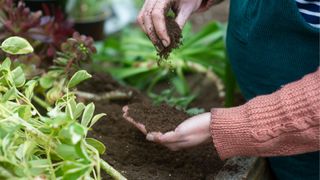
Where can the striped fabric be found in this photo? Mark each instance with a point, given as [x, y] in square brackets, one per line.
[310, 10]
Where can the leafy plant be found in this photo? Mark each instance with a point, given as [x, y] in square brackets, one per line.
[45, 145]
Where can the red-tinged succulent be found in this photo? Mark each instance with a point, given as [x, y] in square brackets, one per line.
[75, 50]
[45, 32]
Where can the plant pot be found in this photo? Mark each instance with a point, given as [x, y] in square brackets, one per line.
[91, 26]
[36, 5]
[95, 29]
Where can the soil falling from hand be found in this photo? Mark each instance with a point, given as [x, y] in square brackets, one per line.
[175, 34]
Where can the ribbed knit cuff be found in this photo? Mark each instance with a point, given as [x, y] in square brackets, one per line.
[230, 131]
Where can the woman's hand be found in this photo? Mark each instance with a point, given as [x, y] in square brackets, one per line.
[192, 132]
[152, 17]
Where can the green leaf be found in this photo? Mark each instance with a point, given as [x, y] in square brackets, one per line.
[123, 73]
[46, 81]
[96, 144]
[78, 77]
[77, 132]
[24, 112]
[58, 121]
[73, 170]
[181, 85]
[82, 151]
[18, 77]
[16, 45]
[39, 166]
[30, 85]
[195, 111]
[96, 118]
[8, 95]
[71, 108]
[53, 94]
[6, 64]
[87, 114]
[72, 134]
[79, 108]
[67, 152]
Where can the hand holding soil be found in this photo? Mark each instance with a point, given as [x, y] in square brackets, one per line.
[163, 125]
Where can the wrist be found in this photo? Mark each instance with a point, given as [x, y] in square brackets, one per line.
[205, 118]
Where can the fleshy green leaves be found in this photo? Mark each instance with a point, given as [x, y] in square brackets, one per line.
[87, 114]
[46, 81]
[8, 95]
[16, 45]
[52, 142]
[78, 77]
[96, 144]
[18, 77]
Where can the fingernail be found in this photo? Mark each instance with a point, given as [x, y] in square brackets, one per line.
[150, 137]
[165, 43]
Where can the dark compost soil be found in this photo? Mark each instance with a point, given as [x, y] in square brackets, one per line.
[162, 118]
[175, 35]
[136, 158]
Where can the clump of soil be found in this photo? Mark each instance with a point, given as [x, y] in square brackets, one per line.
[175, 35]
[160, 118]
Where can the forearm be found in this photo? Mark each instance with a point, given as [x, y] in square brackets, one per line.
[285, 122]
[206, 4]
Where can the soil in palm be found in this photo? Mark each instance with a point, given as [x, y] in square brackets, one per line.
[162, 118]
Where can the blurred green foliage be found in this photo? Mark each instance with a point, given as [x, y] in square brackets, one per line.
[130, 57]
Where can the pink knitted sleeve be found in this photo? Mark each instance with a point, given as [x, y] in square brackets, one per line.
[285, 122]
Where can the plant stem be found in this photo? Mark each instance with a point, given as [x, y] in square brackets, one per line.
[112, 95]
[41, 103]
[111, 171]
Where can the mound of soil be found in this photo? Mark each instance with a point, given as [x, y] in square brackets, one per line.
[160, 118]
[131, 154]
[175, 35]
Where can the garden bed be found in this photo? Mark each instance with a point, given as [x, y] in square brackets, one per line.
[136, 158]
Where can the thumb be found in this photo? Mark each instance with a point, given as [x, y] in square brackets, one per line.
[184, 13]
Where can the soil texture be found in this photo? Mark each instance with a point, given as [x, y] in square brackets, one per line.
[162, 118]
[175, 35]
[131, 154]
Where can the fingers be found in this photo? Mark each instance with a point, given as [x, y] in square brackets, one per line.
[158, 18]
[147, 21]
[140, 17]
[169, 140]
[152, 20]
[183, 15]
[138, 125]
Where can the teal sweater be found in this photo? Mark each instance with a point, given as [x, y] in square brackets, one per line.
[269, 45]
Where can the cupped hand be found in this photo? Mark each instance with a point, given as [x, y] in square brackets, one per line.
[138, 125]
[190, 133]
[153, 13]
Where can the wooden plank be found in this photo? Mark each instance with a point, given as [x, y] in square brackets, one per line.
[245, 169]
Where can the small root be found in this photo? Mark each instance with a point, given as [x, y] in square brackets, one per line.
[109, 96]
